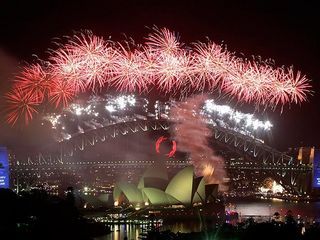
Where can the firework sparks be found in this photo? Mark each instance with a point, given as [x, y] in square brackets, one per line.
[89, 63]
[85, 62]
[61, 93]
[163, 40]
[33, 80]
[105, 110]
[22, 105]
[130, 74]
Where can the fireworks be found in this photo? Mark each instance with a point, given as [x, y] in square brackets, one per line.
[235, 117]
[84, 62]
[172, 62]
[173, 149]
[131, 74]
[102, 111]
[34, 81]
[89, 63]
[21, 105]
[61, 93]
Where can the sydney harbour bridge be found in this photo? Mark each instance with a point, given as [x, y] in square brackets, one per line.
[97, 120]
[257, 161]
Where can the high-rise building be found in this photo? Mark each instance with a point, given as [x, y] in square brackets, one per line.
[316, 170]
[4, 168]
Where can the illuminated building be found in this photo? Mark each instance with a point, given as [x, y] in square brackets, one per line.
[155, 189]
[316, 171]
[4, 168]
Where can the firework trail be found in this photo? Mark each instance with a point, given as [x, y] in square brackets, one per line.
[191, 133]
[89, 63]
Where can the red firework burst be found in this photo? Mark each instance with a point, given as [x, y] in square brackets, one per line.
[33, 80]
[21, 105]
[130, 74]
[164, 40]
[88, 63]
[61, 93]
[299, 86]
[95, 59]
[212, 65]
[85, 62]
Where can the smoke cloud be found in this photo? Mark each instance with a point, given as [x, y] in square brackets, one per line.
[192, 133]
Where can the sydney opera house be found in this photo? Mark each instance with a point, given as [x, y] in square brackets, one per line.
[155, 189]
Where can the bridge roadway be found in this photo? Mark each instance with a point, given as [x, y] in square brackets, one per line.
[143, 164]
[296, 179]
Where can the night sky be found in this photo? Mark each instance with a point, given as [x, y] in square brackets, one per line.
[287, 32]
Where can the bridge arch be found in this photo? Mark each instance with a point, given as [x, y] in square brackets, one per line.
[259, 157]
[253, 148]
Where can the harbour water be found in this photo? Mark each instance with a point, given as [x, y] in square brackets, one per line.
[268, 208]
[261, 210]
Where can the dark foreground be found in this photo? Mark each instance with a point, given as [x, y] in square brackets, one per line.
[245, 231]
[36, 215]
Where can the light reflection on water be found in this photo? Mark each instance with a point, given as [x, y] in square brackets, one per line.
[261, 208]
[119, 232]
[267, 208]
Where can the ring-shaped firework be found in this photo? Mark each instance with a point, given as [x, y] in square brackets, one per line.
[173, 150]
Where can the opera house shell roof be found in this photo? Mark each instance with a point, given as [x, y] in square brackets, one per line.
[155, 188]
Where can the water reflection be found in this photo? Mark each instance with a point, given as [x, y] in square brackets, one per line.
[119, 232]
[183, 227]
[267, 208]
[262, 210]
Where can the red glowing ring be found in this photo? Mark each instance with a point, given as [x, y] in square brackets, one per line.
[173, 148]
